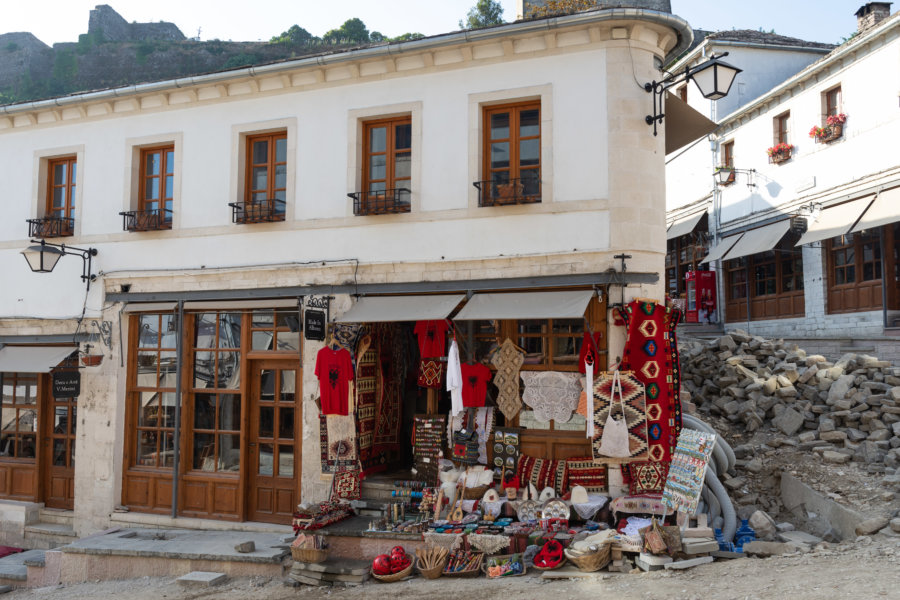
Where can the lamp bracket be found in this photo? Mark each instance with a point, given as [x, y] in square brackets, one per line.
[86, 255]
[104, 331]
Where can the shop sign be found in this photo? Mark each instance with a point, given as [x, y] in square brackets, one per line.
[66, 384]
[314, 324]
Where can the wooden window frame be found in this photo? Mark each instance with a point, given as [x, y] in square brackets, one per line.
[781, 128]
[682, 92]
[166, 200]
[860, 294]
[831, 102]
[514, 170]
[277, 329]
[69, 187]
[12, 438]
[695, 249]
[391, 180]
[744, 272]
[271, 165]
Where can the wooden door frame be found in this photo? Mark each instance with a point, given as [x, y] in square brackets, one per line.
[46, 414]
[254, 366]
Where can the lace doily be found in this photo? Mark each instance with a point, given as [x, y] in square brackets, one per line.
[552, 395]
[508, 360]
[587, 510]
[450, 541]
[489, 544]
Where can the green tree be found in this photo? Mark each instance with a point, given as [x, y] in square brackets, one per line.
[483, 14]
[552, 8]
[295, 36]
[352, 31]
[407, 37]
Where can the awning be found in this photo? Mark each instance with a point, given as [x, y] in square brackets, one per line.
[156, 307]
[835, 221]
[526, 305]
[722, 248]
[32, 359]
[226, 305]
[684, 124]
[683, 226]
[378, 309]
[759, 240]
[884, 211]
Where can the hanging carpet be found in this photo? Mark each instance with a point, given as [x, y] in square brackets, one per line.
[366, 389]
[651, 353]
[635, 412]
[337, 437]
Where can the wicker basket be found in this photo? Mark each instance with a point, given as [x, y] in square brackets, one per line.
[519, 556]
[473, 572]
[434, 572]
[394, 576]
[475, 493]
[593, 561]
[309, 555]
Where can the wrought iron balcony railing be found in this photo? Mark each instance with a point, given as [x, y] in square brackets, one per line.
[512, 191]
[51, 227]
[147, 220]
[257, 211]
[381, 202]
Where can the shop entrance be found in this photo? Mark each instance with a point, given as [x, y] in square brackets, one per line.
[58, 467]
[273, 480]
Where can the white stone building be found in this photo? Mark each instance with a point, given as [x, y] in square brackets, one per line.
[808, 235]
[343, 177]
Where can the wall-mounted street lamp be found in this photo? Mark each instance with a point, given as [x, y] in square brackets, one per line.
[727, 175]
[43, 256]
[713, 78]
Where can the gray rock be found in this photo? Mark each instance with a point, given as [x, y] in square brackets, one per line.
[789, 421]
[726, 342]
[895, 428]
[785, 526]
[763, 525]
[770, 385]
[786, 392]
[873, 525]
[879, 436]
[840, 388]
[245, 547]
[814, 359]
[764, 549]
[895, 394]
[835, 437]
[807, 436]
[826, 425]
[754, 466]
[835, 457]
[799, 537]
[895, 525]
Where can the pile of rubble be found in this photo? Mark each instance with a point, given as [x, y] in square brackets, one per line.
[846, 411]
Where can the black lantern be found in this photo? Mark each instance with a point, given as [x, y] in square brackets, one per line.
[43, 256]
[713, 78]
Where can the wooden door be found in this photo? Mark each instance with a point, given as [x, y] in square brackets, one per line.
[273, 449]
[58, 456]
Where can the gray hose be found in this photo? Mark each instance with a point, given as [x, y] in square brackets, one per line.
[730, 525]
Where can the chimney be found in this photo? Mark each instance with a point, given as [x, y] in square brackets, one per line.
[871, 14]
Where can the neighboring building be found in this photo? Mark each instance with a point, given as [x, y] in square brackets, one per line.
[807, 240]
[394, 180]
[767, 59]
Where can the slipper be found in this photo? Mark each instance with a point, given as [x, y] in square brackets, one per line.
[579, 495]
[548, 493]
[491, 496]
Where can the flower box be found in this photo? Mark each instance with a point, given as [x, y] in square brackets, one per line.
[833, 129]
[780, 153]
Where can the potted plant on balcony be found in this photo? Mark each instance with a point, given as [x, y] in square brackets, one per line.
[833, 129]
[779, 152]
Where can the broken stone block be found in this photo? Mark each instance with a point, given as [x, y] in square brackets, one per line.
[835, 457]
[763, 525]
[839, 388]
[835, 437]
[789, 421]
[245, 547]
[764, 549]
[873, 525]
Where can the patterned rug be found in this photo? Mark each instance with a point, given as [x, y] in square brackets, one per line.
[366, 389]
[635, 412]
[586, 473]
[651, 352]
[388, 406]
[543, 473]
[337, 440]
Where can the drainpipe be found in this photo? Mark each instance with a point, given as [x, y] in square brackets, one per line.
[179, 362]
[884, 306]
[748, 295]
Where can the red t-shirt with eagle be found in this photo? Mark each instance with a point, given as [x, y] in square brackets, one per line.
[334, 368]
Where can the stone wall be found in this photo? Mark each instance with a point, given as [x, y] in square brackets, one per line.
[106, 24]
[524, 6]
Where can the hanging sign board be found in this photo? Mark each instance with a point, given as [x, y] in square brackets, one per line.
[314, 324]
[66, 384]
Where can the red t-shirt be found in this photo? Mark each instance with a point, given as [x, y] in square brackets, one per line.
[334, 368]
[431, 338]
[474, 388]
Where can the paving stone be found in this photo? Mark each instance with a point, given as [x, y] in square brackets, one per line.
[339, 567]
[789, 421]
[799, 537]
[687, 564]
[202, 579]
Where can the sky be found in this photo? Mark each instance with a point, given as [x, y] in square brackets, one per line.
[238, 20]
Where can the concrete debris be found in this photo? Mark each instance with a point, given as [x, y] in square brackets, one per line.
[873, 525]
[851, 405]
[763, 525]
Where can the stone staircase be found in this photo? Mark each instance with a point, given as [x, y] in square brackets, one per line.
[52, 530]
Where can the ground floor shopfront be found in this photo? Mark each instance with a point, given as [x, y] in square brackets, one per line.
[206, 405]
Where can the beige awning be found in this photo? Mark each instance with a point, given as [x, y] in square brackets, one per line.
[683, 123]
[226, 305]
[32, 359]
[383, 309]
[683, 226]
[156, 307]
[526, 305]
[722, 248]
[759, 240]
[834, 221]
[884, 211]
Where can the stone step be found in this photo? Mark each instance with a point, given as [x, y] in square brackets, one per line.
[54, 515]
[49, 535]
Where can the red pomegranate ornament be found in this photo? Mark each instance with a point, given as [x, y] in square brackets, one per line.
[382, 565]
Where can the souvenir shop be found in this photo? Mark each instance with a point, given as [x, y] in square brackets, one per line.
[513, 441]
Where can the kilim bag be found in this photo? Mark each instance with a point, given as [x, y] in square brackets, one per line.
[345, 485]
[431, 372]
[614, 441]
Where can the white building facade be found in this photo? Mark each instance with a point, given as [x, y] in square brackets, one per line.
[225, 207]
